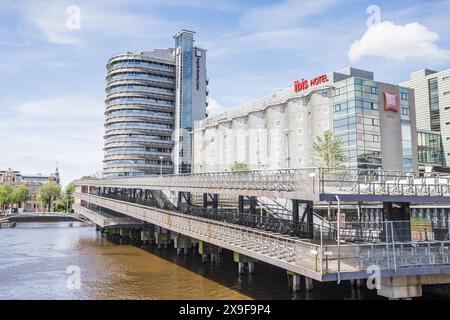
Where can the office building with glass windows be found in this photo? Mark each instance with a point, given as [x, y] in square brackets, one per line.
[375, 122]
[190, 98]
[148, 96]
[432, 99]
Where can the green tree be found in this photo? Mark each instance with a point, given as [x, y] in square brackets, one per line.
[19, 195]
[48, 193]
[239, 166]
[65, 203]
[6, 191]
[328, 151]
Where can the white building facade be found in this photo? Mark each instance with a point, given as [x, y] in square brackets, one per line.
[279, 131]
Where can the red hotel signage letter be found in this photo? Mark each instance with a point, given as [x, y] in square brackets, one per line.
[304, 84]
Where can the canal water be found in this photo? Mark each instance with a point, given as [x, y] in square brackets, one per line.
[44, 261]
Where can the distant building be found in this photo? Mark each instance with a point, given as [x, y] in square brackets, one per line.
[432, 99]
[152, 101]
[374, 120]
[32, 182]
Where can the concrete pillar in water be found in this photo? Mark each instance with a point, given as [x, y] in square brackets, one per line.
[241, 267]
[251, 267]
[205, 248]
[407, 287]
[296, 282]
[161, 237]
[146, 236]
[293, 281]
[182, 243]
[242, 260]
[309, 284]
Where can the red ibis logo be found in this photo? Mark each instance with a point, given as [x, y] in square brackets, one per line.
[391, 102]
[305, 84]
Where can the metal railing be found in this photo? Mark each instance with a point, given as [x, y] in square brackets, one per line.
[305, 181]
[230, 215]
[314, 258]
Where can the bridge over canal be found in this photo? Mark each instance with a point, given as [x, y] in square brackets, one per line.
[163, 208]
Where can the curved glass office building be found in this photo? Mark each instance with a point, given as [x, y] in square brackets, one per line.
[140, 113]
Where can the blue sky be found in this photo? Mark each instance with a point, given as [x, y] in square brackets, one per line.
[52, 77]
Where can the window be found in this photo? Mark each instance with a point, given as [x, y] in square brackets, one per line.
[404, 96]
[325, 94]
[446, 93]
[300, 116]
[300, 131]
[278, 123]
[325, 126]
[300, 161]
[325, 110]
[300, 146]
[446, 78]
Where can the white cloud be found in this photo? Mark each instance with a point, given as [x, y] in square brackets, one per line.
[215, 107]
[388, 40]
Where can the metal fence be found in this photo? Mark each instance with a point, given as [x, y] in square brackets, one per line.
[335, 249]
[306, 181]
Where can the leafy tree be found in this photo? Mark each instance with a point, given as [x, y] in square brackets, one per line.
[239, 166]
[6, 191]
[19, 195]
[329, 151]
[48, 193]
[65, 203]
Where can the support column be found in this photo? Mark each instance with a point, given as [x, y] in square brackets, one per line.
[394, 213]
[205, 200]
[241, 268]
[309, 283]
[295, 211]
[215, 204]
[253, 205]
[242, 260]
[161, 237]
[182, 243]
[241, 204]
[293, 281]
[207, 249]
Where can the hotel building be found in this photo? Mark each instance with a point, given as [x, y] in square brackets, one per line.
[432, 99]
[374, 120]
[152, 99]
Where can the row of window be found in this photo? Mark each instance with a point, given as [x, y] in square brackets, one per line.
[136, 112]
[118, 100]
[139, 87]
[143, 125]
[140, 75]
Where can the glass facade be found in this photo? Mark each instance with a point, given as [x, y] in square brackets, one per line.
[435, 118]
[139, 116]
[356, 122]
[430, 148]
[184, 44]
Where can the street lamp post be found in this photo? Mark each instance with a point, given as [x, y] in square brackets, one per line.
[161, 164]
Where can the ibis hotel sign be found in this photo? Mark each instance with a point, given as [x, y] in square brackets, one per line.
[303, 84]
